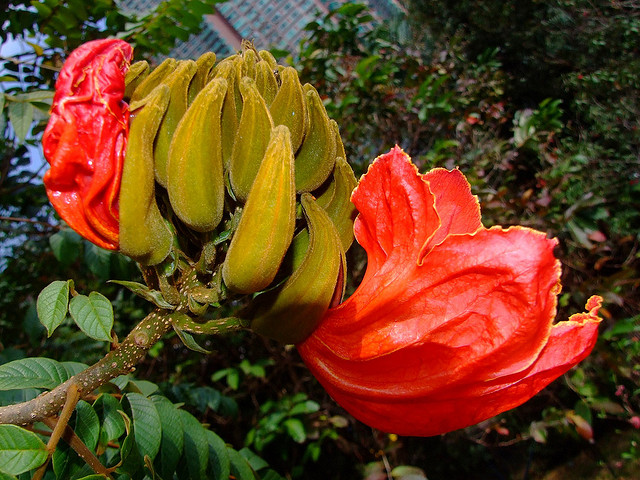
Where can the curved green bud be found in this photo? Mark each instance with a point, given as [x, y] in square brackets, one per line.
[204, 65]
[297, 251]
[178, 82]
[289, 108]
[249, 60]
[151, 81]
[266, 82]
[268, 57]
[251, 140]
[340, 152]
[316, 158]
[266, 227]
[144, 236]
[291, 312]
[336, 201]
[195, 180]
[232, 107]
[136, 74]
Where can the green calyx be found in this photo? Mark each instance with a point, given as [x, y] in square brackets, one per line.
[236, 192]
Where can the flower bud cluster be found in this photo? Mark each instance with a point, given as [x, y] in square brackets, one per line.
[235, 178]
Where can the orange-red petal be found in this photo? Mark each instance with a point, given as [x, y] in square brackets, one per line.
[453, 323]
[85, 139]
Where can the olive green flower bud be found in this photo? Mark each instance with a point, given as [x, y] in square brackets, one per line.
[241, 152]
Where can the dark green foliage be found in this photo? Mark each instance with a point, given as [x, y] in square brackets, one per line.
[536, 102]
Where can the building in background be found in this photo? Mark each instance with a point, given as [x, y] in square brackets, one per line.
[268, 23]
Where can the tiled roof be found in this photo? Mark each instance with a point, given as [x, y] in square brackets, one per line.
[268, 23]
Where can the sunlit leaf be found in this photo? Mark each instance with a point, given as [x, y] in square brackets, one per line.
[295, 429]
[52, 304]
[408, 472]
[20, 450]
[21, 117]
[93, 314]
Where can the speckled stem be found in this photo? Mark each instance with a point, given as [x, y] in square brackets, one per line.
[117, 362]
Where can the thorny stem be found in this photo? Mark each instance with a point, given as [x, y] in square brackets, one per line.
[117, 362]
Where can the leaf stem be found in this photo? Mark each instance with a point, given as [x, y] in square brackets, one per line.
[58, 427]
[80, 448]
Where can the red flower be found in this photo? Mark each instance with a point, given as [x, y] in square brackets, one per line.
[86, 139]
[453, 322]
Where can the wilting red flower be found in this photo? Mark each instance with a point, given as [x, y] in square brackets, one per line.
[86, 138]
[452, 323]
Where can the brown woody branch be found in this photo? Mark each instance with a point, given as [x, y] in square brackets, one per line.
[117, 362]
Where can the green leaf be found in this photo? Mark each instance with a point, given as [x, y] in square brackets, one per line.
[37, 372]
[98, 260]
[172, 443]
[240, 468]
[257, 463]
[21, 117]
[190, 342]
[93, 314]
[219, 462]
[42, 96]
[121, 381]
[112, 423]
[65, 245]
[146, 424]
[6, 476]
[66, 463]
[145, 292]
[233, 379]
[538, 432]
[295, 429]
[87, 424]
[196, 448]
[143, 387]
[20, 450]
[43, 10]
[130, 457]
[271, 475]
[308, 406]
[52, 304]
[2, 121]
[10, 397]
[408, 472]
